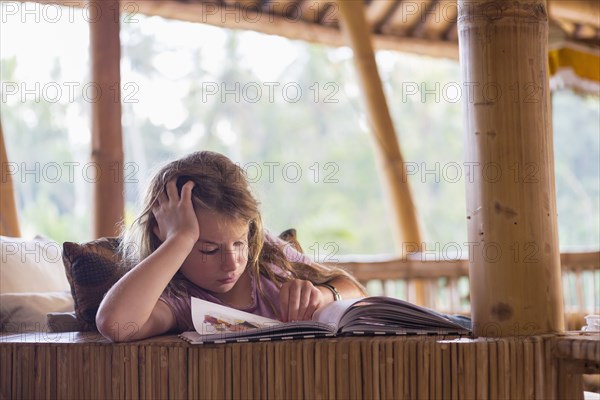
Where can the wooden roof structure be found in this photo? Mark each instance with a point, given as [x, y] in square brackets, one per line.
[425, 27]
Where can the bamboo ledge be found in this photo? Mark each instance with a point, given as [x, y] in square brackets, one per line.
[85, 365]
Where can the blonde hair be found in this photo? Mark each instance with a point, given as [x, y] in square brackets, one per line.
[220, 186]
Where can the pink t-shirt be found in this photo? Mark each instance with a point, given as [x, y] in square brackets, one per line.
[181, 306]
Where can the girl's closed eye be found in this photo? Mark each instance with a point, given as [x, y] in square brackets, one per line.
[209, 250]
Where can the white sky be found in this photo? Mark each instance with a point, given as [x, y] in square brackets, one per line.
[37, 34]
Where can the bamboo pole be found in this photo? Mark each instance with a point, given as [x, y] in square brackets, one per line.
[356, 30]
[405, 226]
[511, 203]
[107, 146]
[9, 221]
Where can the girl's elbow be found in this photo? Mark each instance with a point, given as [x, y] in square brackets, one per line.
[113, 329]
[107, 327]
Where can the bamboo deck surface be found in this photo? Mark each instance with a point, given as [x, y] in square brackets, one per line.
[85, 365]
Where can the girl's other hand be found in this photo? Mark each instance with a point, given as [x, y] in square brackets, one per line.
[175, 214]
[299, 299]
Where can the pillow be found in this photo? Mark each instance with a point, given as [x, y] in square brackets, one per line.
[92, 268]
[290, 237]
[63, 322]
[31, 266]
[26, 312]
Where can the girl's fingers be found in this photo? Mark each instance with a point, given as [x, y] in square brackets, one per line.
[299, 299]
[171, 189]
[174, 214]
[313, 303]
[293, 302]
[290, 300]
[162, 199]
[303, 300]
[186, 191]
[284, 300]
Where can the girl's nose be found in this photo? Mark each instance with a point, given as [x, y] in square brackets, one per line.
[229, 260]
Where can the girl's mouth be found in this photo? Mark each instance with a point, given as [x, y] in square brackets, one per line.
[230, 279]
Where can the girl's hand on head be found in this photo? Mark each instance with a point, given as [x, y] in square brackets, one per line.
[175, 214]
[299, 299]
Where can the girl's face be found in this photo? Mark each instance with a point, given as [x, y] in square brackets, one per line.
[219, 258]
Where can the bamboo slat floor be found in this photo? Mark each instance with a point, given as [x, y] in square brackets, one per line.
[85, 365]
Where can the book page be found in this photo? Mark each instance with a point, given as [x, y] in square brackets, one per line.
[386, 314]
[215, 323]
[332, 313]
[211, 318]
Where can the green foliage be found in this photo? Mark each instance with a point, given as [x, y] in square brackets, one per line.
[337, 204]
[39, 152]
[576, 122]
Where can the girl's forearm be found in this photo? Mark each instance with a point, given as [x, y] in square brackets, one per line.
[132, 299]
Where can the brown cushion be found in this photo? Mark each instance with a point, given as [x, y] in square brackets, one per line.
[63, 322]
[92, 268]
[290, 237]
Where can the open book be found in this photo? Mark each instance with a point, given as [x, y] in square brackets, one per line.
[368, 316]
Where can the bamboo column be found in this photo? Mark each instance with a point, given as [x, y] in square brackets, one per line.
[107, 146]
[9, 221]
[514, 263]
[356, 30]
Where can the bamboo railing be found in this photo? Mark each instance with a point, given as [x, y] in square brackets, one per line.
[446, 282]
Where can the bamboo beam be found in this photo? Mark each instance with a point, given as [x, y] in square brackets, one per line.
[9, 221]
[407, 16]
[107, 146]
[581, 11]
[294, 27]
[377, 12]
[355, 27]
[438, 20]
[270, 21]
[511, 202]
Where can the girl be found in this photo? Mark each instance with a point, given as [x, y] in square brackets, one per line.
[200, 234]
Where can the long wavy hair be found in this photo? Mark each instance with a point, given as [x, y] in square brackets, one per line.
[222, 187]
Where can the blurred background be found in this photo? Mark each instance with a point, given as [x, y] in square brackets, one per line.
[289, 112]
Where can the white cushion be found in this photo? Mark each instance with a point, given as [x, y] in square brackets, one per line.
[26, 312]
[31, 266]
